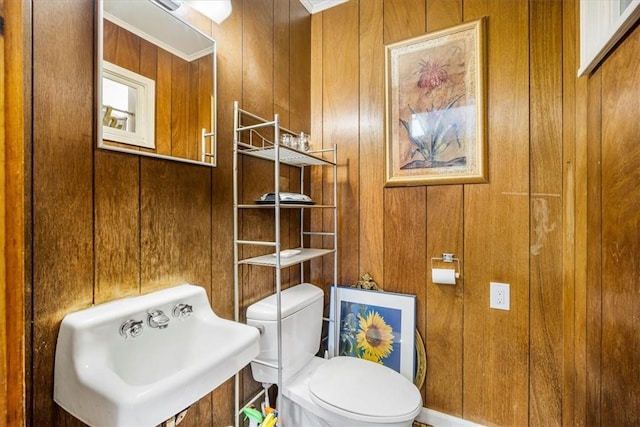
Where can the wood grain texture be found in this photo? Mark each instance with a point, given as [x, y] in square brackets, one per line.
[228, 35]
[444, 304]
[444, 307]
[117, 207]
[62, 185]
[620, 404]
[371, 182]
[4, 347]
[340, 127]
[300, 69]
[163, 129]
[573, 113]
[498, 341]
[545, 282]
[404, 19]
[591, 296]
[13, 213]
[175, 209]
[257, 176]
[497, 237]
[282, 61]
[316, 175]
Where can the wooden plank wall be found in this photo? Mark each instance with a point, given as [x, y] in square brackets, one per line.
[557, 220]
[108, 225]
[16, 113]
[488, 366]
[613, 274]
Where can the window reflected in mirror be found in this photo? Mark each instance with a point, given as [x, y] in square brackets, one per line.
[119, 104]
[128, 107]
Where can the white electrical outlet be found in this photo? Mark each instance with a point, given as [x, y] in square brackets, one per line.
[499, 296]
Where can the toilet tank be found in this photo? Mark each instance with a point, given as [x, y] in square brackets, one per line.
[301, 308]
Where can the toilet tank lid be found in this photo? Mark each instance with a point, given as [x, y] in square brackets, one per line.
[292, 300]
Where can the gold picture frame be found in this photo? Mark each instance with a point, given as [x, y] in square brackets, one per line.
[435, 108]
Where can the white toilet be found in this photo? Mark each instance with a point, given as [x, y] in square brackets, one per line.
[317, 392]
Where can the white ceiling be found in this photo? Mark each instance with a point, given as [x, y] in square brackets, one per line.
[314, 6]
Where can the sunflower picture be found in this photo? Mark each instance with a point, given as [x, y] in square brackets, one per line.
[371, 332]
[375, 326]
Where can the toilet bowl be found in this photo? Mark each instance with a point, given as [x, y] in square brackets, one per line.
[349, 392]
[316, 392]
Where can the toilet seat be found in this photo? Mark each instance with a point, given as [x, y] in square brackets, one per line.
[364, 391]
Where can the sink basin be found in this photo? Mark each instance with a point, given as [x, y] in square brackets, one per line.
[141, 360]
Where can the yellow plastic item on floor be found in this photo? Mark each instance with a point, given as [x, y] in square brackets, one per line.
[270, 420]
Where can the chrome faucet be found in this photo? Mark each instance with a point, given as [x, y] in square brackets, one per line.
[131, 328]
[182, 311]
[157, 319]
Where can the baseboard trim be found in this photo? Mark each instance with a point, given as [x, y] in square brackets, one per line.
[439, 419]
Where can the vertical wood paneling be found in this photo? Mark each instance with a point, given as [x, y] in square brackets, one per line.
[258, 52]
[163, 109]
[258, 58]
[405, 213]
[620, 404]
[156, 223]
[175, 207]
[65, 277]
[228, 35]
[340, 124]
[546, 214]
[299, 69]
[299, 108]
[405, 208]
[371, 213]
[4, 347]
[281, 60]
[592, 377]
[444, 304]
[14, 209]
[117, 207]
[316, 175]
[281, 105]
[403, 19]
[572, 301]
[496, 342]
[180, 103]
[62, 184]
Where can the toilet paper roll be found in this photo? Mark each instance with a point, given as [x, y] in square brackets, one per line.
[443, 276]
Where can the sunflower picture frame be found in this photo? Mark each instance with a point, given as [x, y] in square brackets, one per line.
[372, 325]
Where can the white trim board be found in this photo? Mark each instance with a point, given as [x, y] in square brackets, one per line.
[315, 6]
[439, 419]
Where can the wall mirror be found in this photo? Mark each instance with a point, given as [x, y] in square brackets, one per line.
[157, 83]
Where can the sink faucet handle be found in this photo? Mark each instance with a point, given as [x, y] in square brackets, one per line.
[182, 311]
[157, 319]
[131, 328]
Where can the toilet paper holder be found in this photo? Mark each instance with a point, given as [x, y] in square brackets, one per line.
[449, 258]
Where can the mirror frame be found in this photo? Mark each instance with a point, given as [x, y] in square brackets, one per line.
[209, 157]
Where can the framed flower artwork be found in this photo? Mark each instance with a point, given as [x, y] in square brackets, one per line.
[372, 325]
[435, 108]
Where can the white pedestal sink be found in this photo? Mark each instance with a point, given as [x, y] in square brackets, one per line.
[139, 361]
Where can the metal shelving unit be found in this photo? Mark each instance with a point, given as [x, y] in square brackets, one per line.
[249, 141]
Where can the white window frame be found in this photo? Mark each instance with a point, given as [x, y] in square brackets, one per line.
[144, 134]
